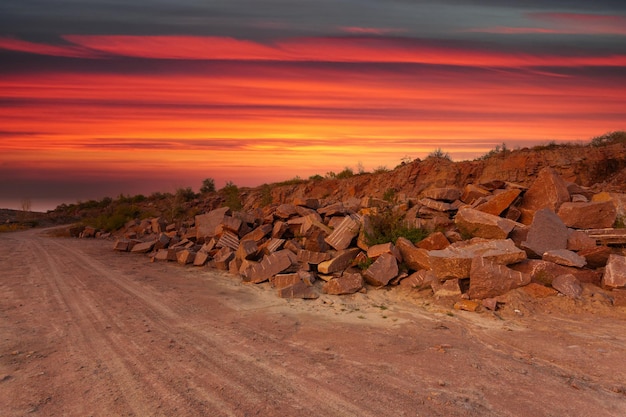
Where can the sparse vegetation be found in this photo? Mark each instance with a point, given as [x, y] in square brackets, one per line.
[609, 138]
[500, 150]
[231, 196]
[389, 195]
[295, 180]
[346, 173]
[316, 177]
[388, 227]
[439, 154]
[380, 169]
[208, 186]
[266, 195]
[620, 222]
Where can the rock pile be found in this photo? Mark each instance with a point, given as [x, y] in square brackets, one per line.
[485, 239]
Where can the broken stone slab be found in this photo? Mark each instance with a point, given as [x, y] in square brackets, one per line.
[472, 192]
[279, 229]
[568, 285]
[375, 251]
[298, 290]
[168, 254]
[436, 205]
[316, 241]
[335, 209]
[434, 241]
[312, 203]
[121, 245]
[163, 240]
[232, 224]
[549, 190]
[158, 225]
[228, 239]
[201, 259]
[467, 305]
[143, 247]
[537, 290]
[544, 272]
[285, 211]
[384, 268]
[347, 283]
[615, 272]
[343, 234]
[206, 224]
[247, 249]
[444, 194]
[285, 280]
[234, 265]
[271, 265]
[259, 233]
[596, 257]
[311, 222]
[415, 258]
[223, 257]
[311, 257]
[449, 288]
[185, 256]
[339, 262]
[479, 224]
[489, 279]
[419, 279]
[593, 215]
[272, 245]
[578, 241]
[564, 257]
[456, 260]
[547, 232]
[497, 204]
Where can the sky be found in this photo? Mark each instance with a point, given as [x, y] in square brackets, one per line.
[107, 97]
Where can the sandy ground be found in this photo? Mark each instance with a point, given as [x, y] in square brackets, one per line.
[86, 331]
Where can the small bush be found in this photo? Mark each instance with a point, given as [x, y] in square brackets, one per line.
[389, 195]
[266, 195]
[388, 227]
[231, 196]
[316, 177]
[208, 186]
[609, 139]
[439, 154]
[346, 173]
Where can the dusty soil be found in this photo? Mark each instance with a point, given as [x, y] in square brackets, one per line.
[86, 331]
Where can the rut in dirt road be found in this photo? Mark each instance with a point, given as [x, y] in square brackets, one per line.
[86, 331]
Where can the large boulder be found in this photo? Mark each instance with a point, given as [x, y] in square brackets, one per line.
[479, 224]
[343, 234]
[383, 270]
[547, 232]
[456, 260]
[206, 224]
[499, 202]
[549, 190]
[415, 258]
[347, 283]
[593, 215]
[490, 279]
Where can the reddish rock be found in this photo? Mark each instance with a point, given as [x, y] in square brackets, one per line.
[436, 205]
[298, 290]
[578, 241]
[271, 265]
[339, 262]
[279, 229]
[228, 240]
[232, 224]
[158, 225]
[536, 290]
[272, 245]
[285, 211]
[259, 233]
[375, 251]
[234, 266]
[434, 241]
[490, 303]
[445, 194]
[449, 288]
[594, 215]
[163, 240]
[168, 254]
[544, 272]
[568, 285]
[316, 241]
[456, 260]
[347, 283]
[467, 305]
[489, 279]
[201, 259]
[597, 256]
[312, 203]
[206, 224]
[343, 234]
[547, 232]
[247, 250]
[472, 192]
[313, 258]
[564, 257]
[121, 245]
[415, 258]
[223, 258]
[185, 257]
[497, 204]
[549, 190]
[384, 268]
[284, 280]
[615, 272]
[418, 279]
[335, 209]
[479, 224]
[143, 247]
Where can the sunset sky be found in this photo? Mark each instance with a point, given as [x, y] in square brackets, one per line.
[102, 97]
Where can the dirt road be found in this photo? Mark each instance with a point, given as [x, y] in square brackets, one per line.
[86, 331]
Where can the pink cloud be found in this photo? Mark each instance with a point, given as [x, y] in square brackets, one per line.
[18, 45]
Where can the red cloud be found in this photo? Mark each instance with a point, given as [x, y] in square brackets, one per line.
[12, 44]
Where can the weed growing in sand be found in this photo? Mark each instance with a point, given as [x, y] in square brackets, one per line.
[388, 227]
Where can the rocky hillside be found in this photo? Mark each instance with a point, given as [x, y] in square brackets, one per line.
[599, 167]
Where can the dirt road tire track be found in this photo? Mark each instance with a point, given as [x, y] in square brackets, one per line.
[87, 331]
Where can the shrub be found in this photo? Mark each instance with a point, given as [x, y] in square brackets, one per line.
[231, 196]
[609, 138]
[380, 169]
[316, 177]
[208, 186]
[266, 195]
[185, 194]
[346, 173]
[439, 154]
[388, 227]
[389, 195]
